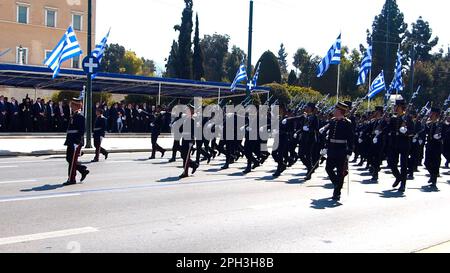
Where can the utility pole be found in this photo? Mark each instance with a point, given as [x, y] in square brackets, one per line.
[249, 57]
[89, 81]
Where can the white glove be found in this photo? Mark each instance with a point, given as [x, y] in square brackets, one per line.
[242, 128]
[261, 130]
[321, 130]
[377, 132]
[306, 128]
[403, 130]
[360, 141]
[295, 135]
[163, 112]
[323, 152]
[437, 136]
[198, 125]
[420, 142]
[414, 140]
[183, 115]
[275, 131]
[284, 121]
[152, 124]
[348, 157]
[195, 115]
[375, 140]
[140, 110]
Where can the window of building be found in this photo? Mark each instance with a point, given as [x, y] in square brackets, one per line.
[50, 18]
[76, 62]
[47, 54]
[24, 55]
[77, 21]
[22, 14]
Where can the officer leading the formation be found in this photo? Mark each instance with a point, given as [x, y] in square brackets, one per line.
[339, 148]
[74, 143]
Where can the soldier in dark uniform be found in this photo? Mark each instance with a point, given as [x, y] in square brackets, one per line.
[309, 139]
[417, 141]
[176, 142]
[377, 126]
[187, 142]
[339, 148]
[446, 138]
[280, 155]
[74, 143]
[99, 133]
[251, 143]
[155, 129]
[400, 131]
[434, 144]
[3, 114]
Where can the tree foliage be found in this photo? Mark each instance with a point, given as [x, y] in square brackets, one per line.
[234, 60]
[269, 69]
[198, 70]
[184, 56]
[215, 49]
[282, 60]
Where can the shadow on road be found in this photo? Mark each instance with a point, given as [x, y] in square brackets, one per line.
[329, 186]
[426, 189]
[44, 188]
[389, 194]
[326, 203]
[168, 179]
[369, 182]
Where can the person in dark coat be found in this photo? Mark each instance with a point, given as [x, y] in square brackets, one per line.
[99, 134]
[74, 143]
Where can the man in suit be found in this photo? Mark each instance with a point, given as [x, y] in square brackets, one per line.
[3, 114]
[99, 134]
[74, 143]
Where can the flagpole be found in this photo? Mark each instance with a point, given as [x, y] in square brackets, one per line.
[370, 82]
[338, 82]
[88, 94]
[250, 38]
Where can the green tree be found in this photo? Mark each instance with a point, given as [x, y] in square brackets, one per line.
[198, 70]
[172, 62]
[282, 60]
[234, 60]
[148, 68]
[292, 79]
[269, 69]
[113, 58]
[215, 50]
[138, 99]
[279, 92]
[388, 30]
[420, 37]
[184, 58]
[132, 64]
[307, 65]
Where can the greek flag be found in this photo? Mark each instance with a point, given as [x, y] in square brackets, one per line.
[333, 57]
[397, 81]
[254, 82]
[100, 50]
[241, 75]
[66, 49]
[377, 86]
[366, 66]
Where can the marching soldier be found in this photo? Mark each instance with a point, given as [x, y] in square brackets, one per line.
[187, 142]
[309, 139]
[433, 152]
[339, 148]
[74, 143]
[400, 131]
[99, 133]
[378, 126]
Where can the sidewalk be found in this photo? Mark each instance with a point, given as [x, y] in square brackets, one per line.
[54, 145]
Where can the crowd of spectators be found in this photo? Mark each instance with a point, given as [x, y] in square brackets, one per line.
[40, 116]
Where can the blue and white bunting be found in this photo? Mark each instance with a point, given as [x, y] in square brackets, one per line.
[254, 83]
[397, 81]
[333, 57]
[67, 48]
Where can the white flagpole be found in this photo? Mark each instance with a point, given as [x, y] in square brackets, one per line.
[338, 82]
[370, 82]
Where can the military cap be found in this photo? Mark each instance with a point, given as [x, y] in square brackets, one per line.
[342, 106]
[349, 104]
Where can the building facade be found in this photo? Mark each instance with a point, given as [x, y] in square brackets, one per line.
[30, 29]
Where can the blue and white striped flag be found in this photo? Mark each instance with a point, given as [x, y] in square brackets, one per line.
[377, 86]
[333, 57]
[66, 49]
[254, 82]
[397, 81]
[241, 76]
[99, 50]
[366, 66]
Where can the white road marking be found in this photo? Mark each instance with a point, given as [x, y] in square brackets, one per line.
[123, 161]
[46, 235]
[34, 161]
[275, 205]
[39, 197]
[17, 181]
[1, 167]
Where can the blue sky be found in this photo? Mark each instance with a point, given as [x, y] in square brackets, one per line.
[146, 26]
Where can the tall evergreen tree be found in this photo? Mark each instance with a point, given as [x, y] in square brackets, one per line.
[185, 42]
[198, 70]
[282, 55]
[269, 69]
[292, 79]
[388, 31]
[420, 38]
[172, 62]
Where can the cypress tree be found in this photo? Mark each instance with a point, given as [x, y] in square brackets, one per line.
[198, 69]
[184, 62]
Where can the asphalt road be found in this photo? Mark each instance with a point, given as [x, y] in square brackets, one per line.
[130, 204]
